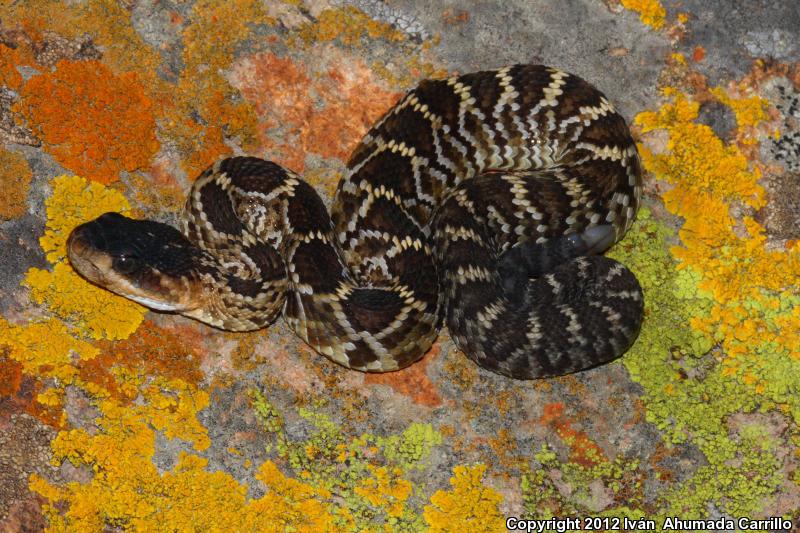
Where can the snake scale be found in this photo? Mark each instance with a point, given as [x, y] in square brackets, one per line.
[484, 200]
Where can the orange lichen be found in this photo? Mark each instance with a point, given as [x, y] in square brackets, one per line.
[583, 450]
[200, 123]
[9, 75]
[41, 351]
[284, 95]
[185, 111]
[505, 452]
[204, 117]
[353, 101]
[152, 351]
[53, 416]
[470, 506]
[199, 113]
[698, 54]
[107, 22]
[455, 16]
[92, 121]
[279, 90]
[15, 180]
[157, 190]
[10, 375]
[22, 355]
[416, 69]
[412, 381]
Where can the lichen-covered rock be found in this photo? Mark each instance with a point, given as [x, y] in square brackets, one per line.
[116, 418]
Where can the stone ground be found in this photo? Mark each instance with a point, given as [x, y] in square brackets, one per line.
[115, 418]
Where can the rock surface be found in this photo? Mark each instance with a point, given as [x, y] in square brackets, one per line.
[161, 422]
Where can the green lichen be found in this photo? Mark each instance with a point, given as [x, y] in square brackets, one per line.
[367, 473]
[688, 393]
[739, 485]
[546, 455]
[412, 447]
[266, 413]
[543, 500]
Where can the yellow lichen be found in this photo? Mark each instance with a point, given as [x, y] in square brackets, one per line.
[347, 24]
[128, 492]
[45, 348]
[697, 158]
[651, 12]
[386, 488]
[289, 504]
[470, 506]
[753, 287]
[73, 202]
[126, 489]
[47, 351]
[95, 311]
[749, 111]
[678, 58]
[52, 397]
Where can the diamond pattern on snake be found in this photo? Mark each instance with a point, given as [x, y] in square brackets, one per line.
[483, 201]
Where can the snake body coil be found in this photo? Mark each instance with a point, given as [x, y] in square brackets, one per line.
[484, 199]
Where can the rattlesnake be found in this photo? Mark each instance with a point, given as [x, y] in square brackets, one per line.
[483, 199]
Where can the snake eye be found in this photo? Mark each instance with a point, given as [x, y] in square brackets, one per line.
[126, 263]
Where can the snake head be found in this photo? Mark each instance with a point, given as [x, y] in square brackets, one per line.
[146, 261]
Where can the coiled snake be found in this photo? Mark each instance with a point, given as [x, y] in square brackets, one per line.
[484, 199]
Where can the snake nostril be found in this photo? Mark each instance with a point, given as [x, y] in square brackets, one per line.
[85, 236]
